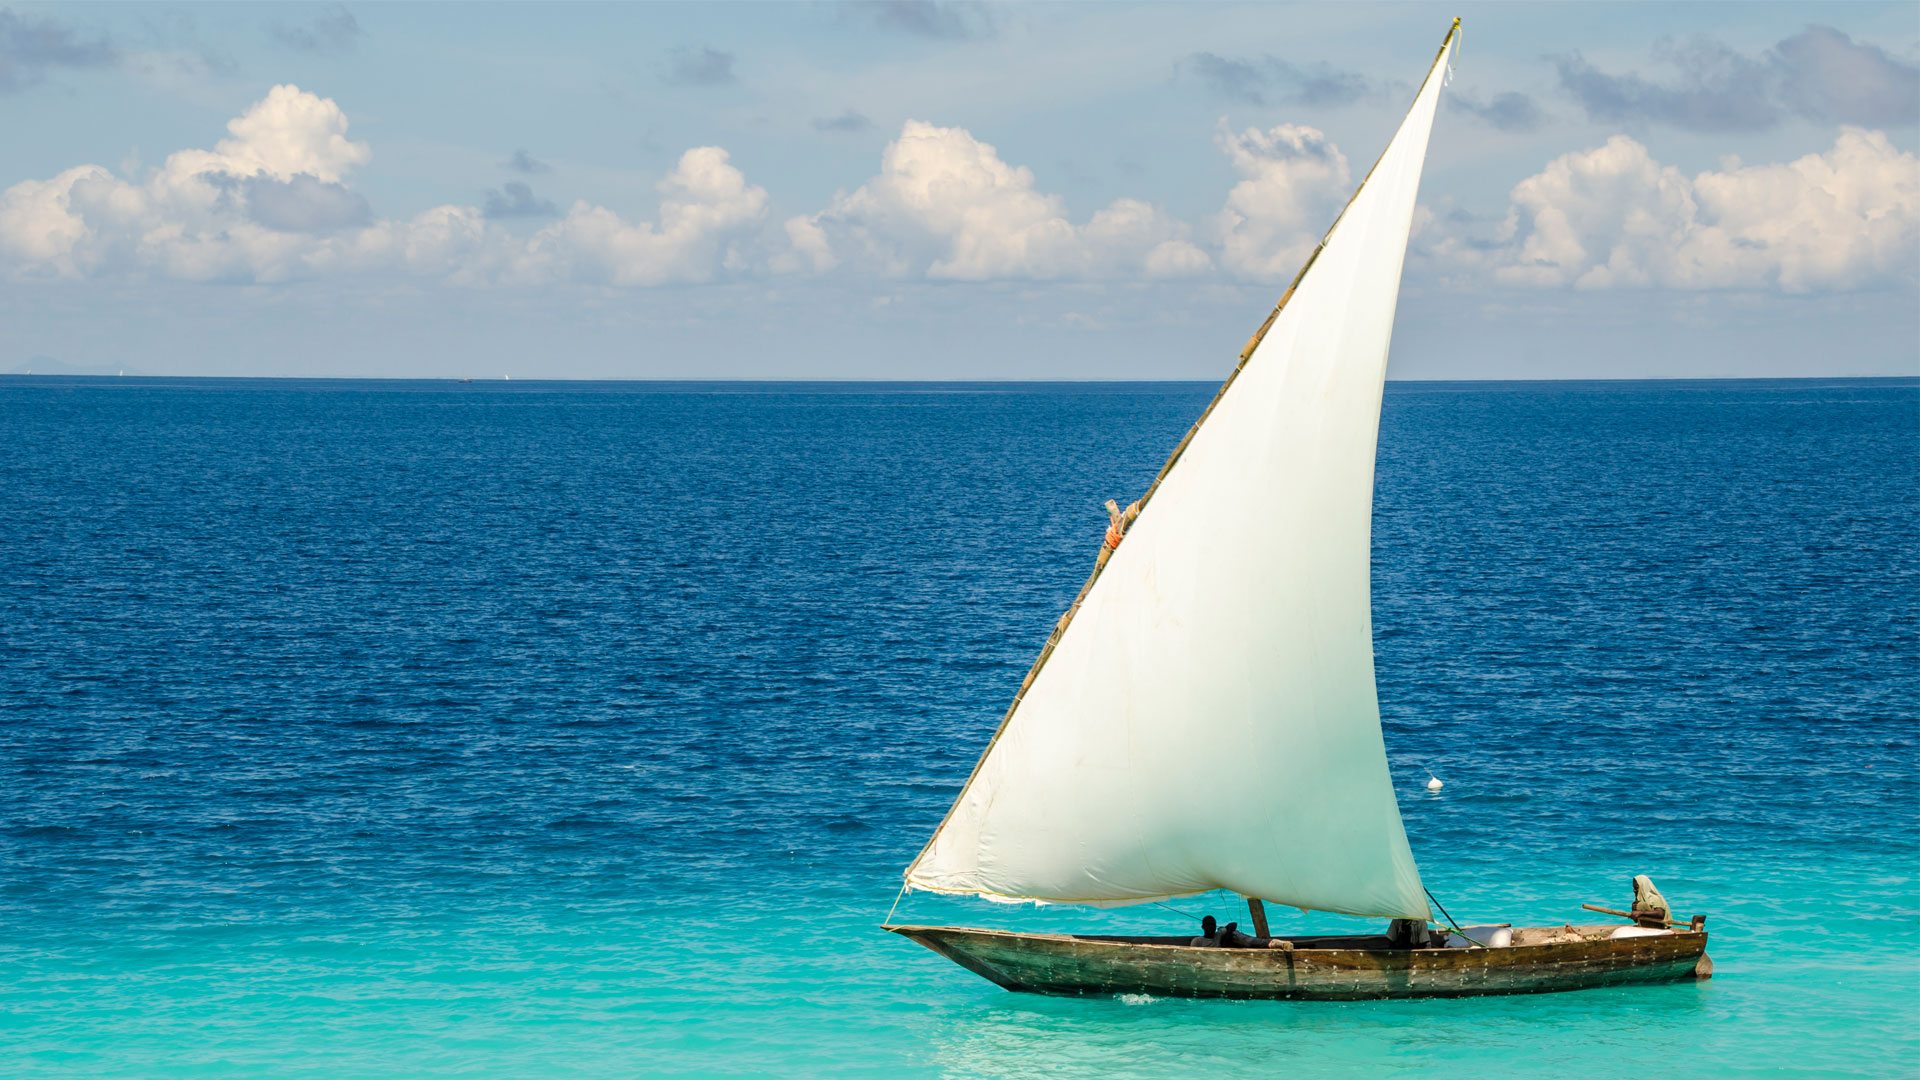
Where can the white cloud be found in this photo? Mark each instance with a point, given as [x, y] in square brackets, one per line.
[946, 206]
[1613, 217]
[270, 203]
[194, 217]
[286, 133]
[451, 242]
[37, 226]
[707, 210]
[1293, 182]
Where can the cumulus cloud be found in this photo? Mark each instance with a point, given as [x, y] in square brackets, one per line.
[947, 20]
[1293, 181]
[300, 203]
[707, 211]
[274, 201]
[699, 67]
[1613, 216]
[334, 31]
[1269, 80]
[288, 132]
[515, 199]
[945, 205]
[1820, 74]
[271, 203]
[242, 209]
[32, 46]
[450, 242]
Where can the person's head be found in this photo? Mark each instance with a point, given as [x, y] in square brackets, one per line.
[1206, 926]
[1231, 929]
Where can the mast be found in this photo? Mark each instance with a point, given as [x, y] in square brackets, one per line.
[1362, 264]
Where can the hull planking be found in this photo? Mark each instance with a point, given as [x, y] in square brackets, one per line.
[1316, 968]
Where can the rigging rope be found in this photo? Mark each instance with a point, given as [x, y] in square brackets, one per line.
[1175, 910]
[1450, 922]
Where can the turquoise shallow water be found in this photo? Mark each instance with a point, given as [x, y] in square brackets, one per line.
[376, 729]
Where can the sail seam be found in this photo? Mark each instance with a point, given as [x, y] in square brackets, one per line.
[1066, 619]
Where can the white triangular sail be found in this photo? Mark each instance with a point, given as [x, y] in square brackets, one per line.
[1207, 718]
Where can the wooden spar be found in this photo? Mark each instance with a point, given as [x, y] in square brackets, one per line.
[1100, 562]
[1258, 909]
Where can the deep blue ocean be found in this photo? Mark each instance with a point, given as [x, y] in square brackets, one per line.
[527, 729]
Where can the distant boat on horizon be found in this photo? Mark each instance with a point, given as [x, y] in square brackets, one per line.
[1205, 716]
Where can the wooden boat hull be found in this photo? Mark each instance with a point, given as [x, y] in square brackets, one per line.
[1323, 969]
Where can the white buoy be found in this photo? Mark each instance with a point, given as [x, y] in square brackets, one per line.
[1433, 783]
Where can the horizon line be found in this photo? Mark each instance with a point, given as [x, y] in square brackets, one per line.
[863, 380]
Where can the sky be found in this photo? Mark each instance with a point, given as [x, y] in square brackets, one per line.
[945, 190]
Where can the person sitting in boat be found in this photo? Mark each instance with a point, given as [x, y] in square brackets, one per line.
[1207, 931]
[1408, 934]
[1231, 938]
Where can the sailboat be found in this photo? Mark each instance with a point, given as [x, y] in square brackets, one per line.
[1204, 716]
